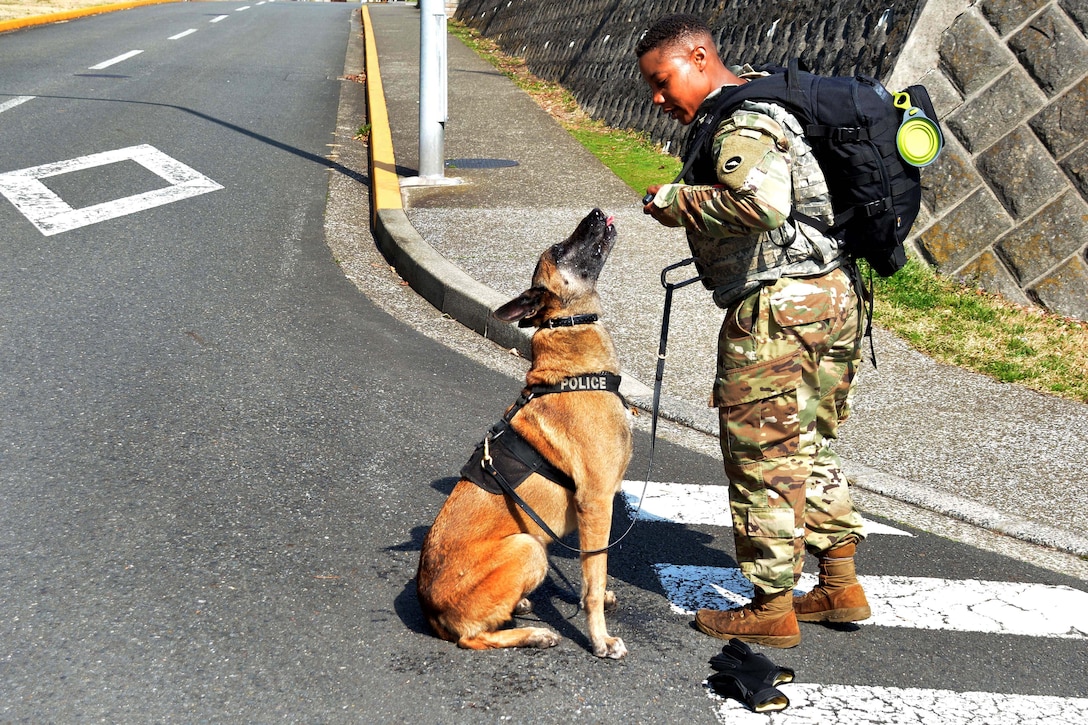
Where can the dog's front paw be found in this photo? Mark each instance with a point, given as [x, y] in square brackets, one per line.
[543, 638]
[610, 647]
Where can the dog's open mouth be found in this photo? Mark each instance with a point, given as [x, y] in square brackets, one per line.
[585, 251]
[608, 239]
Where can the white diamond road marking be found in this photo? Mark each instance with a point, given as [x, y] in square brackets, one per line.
[113, 61]
[52, 215]
[687, 503]
[812, 704]
[7, 105]
[965, 605]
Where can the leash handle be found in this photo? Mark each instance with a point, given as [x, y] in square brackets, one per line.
[670, 287]
[659, 375]
[677, 285]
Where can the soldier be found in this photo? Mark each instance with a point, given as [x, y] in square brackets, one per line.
[788, 347]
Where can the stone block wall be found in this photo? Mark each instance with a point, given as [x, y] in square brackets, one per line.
[1007, 200]
[589, 46]
[1005, 205]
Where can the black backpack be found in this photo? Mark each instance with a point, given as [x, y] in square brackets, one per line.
[851, 124]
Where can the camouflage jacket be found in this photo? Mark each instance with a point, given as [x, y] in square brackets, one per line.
[738, 225]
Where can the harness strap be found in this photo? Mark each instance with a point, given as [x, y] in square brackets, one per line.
[509, 491]
[866, 295]
[603, 381]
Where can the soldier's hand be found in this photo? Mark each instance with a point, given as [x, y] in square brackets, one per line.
[651, 192]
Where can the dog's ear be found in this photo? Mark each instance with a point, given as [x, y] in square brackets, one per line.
[527, 304]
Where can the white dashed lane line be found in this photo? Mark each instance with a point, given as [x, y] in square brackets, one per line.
[113, 61]
[686, 503]
[964, 605]
[8, 105]
[969, 605]
[217, 18]
[182, 34]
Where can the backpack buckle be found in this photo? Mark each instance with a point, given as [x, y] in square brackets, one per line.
[875, 208]
[848, 135]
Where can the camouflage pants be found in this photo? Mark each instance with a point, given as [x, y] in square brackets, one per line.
[787, 356]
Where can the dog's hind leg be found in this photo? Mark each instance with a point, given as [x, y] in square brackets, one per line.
[541, 637]
[517, 566]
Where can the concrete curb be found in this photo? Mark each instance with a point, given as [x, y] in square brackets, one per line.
[446, 286]
[385, 185]
[972, 512]
[455, 293]
[32, 20]
[443, 284]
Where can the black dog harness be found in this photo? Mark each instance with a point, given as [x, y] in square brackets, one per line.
[503, 460]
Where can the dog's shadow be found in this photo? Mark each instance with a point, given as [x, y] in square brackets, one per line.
[556, 602]
[406, 604]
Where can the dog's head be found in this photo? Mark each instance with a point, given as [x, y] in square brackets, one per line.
[565, 280]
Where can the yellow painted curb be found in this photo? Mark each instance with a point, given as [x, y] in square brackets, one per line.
[17, 23]
[384, 183]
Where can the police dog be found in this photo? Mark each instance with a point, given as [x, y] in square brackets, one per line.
[483, 555]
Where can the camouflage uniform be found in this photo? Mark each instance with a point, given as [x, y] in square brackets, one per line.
[789, 346]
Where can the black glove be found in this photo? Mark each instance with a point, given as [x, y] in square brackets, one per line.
[749, 677]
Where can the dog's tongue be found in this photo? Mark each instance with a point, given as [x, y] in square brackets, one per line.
[608, 221]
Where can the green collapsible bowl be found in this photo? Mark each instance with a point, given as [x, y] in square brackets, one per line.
[919, 139]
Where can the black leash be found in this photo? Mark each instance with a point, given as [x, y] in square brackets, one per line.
[660, 374]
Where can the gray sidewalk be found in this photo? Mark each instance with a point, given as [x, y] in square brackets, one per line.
[935, 436]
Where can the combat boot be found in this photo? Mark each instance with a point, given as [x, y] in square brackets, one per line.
[838, 597]
[769, 620]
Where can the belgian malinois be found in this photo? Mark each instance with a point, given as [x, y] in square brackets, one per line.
[484, 555]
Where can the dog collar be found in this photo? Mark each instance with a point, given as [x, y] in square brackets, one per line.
[570, 321]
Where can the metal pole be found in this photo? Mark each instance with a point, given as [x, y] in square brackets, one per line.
[432, 88]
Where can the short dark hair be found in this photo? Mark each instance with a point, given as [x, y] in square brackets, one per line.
[669, 29]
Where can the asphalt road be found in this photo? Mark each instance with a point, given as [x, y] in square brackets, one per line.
[218, 457]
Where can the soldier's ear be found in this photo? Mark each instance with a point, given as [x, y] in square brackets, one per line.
[527, 304]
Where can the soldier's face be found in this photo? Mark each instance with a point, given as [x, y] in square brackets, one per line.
[676, 75]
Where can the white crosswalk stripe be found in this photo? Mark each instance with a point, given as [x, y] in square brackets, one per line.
[862, 705]
[972, 605]
[685, 503]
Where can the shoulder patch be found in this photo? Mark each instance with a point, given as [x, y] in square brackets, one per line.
[754, 125]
